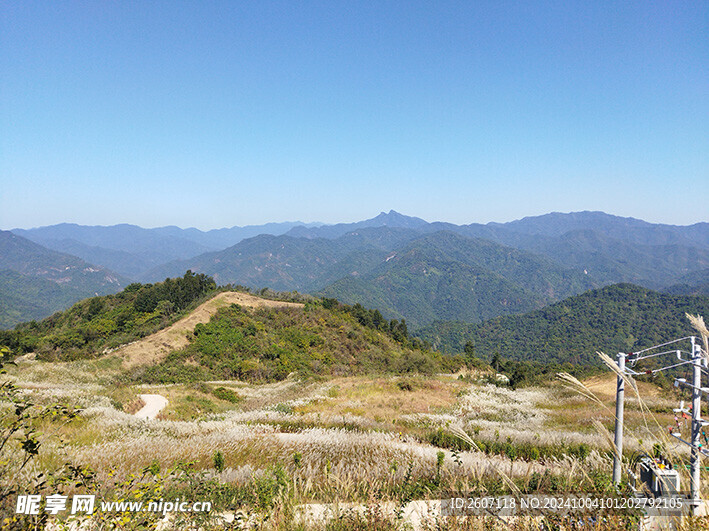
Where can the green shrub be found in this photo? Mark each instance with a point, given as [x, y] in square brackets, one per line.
[272, 487]
[223, 393]
[405, 385]
[218, 459]
[445, 439]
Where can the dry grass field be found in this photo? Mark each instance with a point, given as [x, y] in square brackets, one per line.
[372, 442]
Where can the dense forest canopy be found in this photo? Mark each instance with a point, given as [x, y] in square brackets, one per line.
[616, 318]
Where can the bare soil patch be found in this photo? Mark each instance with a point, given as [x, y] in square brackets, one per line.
[157, 346]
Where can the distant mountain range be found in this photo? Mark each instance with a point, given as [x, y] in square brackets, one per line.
[447, 276]
[132, 251]
[407, 267]
[392, 219]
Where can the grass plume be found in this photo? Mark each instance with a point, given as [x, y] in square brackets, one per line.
[699, 325]
[573, 384]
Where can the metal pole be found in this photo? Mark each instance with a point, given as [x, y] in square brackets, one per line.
[696, 423]
[619, 406]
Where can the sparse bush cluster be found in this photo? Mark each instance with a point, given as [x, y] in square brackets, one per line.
[223, 393]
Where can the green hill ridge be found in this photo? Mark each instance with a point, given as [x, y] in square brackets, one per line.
[324, 338]
[93, 325]
[622, 317]
[321, 338]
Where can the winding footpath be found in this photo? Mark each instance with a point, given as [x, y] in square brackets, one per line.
[154, 404]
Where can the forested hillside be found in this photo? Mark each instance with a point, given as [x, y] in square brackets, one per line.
[692, 284]
[93, 325]
[36, 281]
[621, 317]
[286, 263]
[445, 276]
[27, 297]
[402, 273]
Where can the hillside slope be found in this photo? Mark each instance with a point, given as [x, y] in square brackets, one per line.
[125, 247]
[132, 250]
[621, 228]
[29, 297]
[286, 263]
[611, 260]
[622, 317]
[93, 325]
[38, 281]
[192, 333]
[448, 276]
[695, 283]
[157, 346]
[270, 341]
[402, 273]
[421, 286]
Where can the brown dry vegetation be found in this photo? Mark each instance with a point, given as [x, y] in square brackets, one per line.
[134, 406]
[604, 386]
[386, 399]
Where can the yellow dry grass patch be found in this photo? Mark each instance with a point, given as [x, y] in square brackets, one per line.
[575, 413]
[604, 387]
[384, 399]
[157, 346]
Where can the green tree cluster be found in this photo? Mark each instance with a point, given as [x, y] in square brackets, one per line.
[373, 319]
[93, 325]
[179, 292]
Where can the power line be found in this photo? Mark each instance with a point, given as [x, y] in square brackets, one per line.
[698, 362]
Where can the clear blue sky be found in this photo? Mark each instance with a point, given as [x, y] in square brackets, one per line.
[213, 114]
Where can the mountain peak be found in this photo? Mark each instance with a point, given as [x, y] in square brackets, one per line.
[395, 219]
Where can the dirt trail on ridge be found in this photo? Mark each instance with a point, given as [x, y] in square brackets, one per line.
[155, 347]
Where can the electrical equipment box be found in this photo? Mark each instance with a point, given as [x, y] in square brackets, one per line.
[661, 480]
